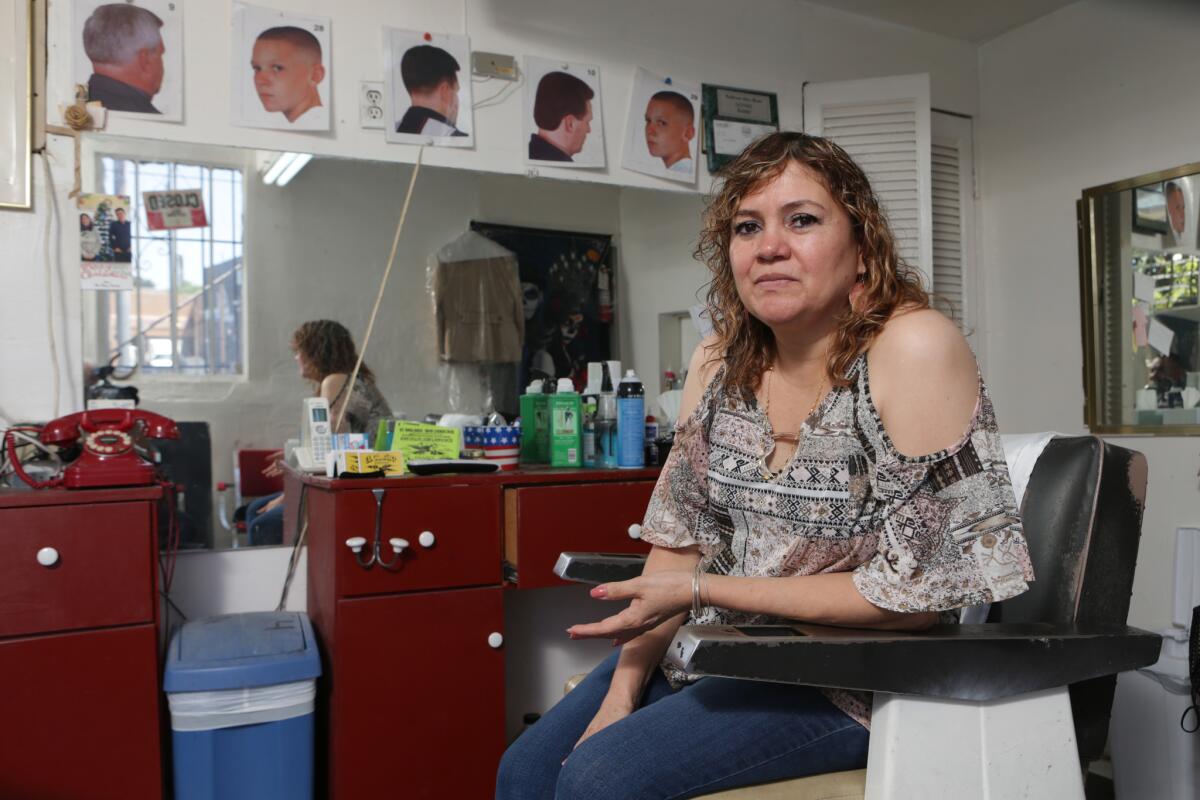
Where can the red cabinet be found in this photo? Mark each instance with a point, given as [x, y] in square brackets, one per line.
[412, 695]
[79, 644]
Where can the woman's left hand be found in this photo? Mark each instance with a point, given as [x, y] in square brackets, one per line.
[656, 598]
[271, 504]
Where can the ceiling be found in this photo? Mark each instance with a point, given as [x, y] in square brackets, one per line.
[975, 21]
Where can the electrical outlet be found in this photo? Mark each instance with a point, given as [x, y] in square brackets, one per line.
[370, 104]
[494, 65]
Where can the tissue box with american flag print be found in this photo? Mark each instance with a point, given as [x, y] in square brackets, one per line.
[499, 443]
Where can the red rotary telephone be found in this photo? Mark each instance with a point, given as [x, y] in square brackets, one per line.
[108, 457]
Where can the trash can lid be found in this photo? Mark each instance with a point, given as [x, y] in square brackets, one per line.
[236, 651]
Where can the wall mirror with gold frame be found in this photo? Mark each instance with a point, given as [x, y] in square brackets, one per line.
[1140, 297]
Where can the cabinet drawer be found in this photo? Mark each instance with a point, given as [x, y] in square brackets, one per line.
[102, 572]
[81, 716]
[465, 525]
[543, 521]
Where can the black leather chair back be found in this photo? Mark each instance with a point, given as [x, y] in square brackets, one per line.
[1082, 515]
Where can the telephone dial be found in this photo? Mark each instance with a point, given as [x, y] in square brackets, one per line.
[106, 440]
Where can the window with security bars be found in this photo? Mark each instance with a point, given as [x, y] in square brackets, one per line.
[185, 314]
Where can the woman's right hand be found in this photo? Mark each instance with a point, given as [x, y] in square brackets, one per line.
[274, 464]
[612, 710]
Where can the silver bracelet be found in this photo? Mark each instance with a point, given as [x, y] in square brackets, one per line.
[697, 607]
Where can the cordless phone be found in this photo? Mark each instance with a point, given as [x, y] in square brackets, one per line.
[316, 438]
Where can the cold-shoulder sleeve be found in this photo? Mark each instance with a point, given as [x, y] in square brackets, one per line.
[678, 514]
[949, 531]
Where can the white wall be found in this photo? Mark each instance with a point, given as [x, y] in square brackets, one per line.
[1083, 97]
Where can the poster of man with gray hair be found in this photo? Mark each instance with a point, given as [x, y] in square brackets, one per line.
[129, 55]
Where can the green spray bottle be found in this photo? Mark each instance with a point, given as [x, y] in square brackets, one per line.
[566, 426]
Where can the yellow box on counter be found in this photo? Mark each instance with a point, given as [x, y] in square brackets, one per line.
[390, 461]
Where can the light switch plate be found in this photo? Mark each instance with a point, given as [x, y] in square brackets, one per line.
[370, 104]
[494, 65]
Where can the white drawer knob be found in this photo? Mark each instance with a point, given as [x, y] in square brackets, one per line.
[635, 531]
[47, 556]
[356, 543]
[398, 545]
[426, 539]
[495, 640]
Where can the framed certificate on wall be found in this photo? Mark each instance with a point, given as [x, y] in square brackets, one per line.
[733, 118]
[16, 100]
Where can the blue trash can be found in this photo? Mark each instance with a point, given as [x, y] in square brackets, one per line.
[242, 688]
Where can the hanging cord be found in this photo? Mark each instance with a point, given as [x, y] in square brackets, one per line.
[302, 519]
[51, 219]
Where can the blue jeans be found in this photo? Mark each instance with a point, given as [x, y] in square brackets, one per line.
[714, 734]
[264, 528]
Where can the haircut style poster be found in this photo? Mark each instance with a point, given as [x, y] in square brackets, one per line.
[661, 136]
[281, 70]
[427, 88]
[105, 241]
[567, 290]
[129, 55]
[564, 124]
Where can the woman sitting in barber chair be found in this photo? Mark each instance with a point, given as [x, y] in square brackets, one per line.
[325, 353]
[836, 462]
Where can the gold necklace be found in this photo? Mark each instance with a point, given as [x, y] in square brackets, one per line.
[789, 438]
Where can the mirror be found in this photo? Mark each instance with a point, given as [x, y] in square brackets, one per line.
[212, 309]
[1140, 277]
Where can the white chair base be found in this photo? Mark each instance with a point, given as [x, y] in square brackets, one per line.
[1022, 746]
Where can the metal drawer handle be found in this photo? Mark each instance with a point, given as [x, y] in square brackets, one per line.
[47, 556]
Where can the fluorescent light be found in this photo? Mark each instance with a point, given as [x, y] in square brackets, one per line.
[289, 172]
[285, 167]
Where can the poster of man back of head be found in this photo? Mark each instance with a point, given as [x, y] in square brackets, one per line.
[130, 56]
[428, 88]
[661, 134]
[280, 69]
[564, 124]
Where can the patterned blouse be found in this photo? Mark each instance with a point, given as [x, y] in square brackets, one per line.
[929, 533]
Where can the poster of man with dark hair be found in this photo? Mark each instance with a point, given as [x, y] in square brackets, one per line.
[564, 123]
[281, 69]
[129, 55]
[427, 88]
[567, 287]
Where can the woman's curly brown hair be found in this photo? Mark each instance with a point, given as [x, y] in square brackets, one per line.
[889, 283]
[329, 348]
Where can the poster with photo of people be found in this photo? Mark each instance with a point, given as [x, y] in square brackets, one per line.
[281, 69]
[427, 88]
[564, 125]
[105, 241]
[661, 135]
[129, 55]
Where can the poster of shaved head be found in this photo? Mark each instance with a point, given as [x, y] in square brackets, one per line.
[129, 55]
[660, 136]
[428, 88]
[281, 70]
[563, 122]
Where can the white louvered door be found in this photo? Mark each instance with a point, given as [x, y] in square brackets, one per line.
[884, 124]
[954, 217]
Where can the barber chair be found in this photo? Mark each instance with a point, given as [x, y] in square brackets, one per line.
[248, 483]
[1013, 707]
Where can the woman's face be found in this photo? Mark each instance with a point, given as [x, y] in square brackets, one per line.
[793, 251]
[306, 368]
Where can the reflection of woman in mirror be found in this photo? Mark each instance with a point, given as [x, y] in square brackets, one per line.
[85, 222]
[325, 354]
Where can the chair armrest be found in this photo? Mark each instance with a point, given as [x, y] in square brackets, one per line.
[598, 567]
[960, 662]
